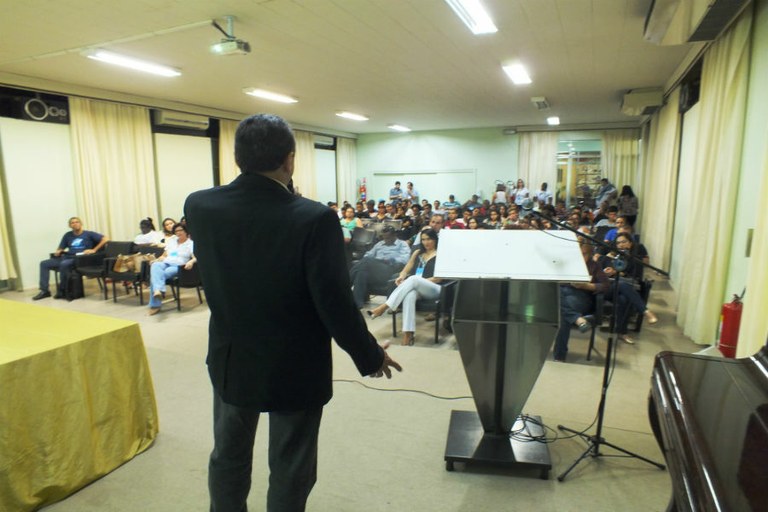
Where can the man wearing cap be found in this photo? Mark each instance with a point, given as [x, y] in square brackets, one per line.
[378, 265]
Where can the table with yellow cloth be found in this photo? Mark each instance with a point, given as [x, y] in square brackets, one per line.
[76, 401]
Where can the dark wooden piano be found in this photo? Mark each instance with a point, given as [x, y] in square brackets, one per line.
[710, 417]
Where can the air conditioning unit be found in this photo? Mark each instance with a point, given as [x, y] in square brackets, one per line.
[642, 102]
[325, 141]
[180, 120]
[673, 22]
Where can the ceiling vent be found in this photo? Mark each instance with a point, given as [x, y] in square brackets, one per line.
[642, 102]
[181, 120]
[540, 102]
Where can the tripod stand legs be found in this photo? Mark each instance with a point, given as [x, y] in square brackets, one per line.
[593, 449]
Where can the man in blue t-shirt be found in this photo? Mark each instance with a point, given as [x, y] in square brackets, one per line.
[77, 241]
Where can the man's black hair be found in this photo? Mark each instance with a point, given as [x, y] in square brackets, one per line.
[262, 143]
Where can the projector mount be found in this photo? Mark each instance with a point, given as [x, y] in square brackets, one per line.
[230, 45]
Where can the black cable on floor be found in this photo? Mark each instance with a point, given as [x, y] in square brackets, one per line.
[405, 390]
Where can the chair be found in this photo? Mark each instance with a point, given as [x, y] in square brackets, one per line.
[185, 279]
[137, 278]
[94, 266]
[601, 232]
[362, 241]
[443, 305]
[605, 309]
[395, 223]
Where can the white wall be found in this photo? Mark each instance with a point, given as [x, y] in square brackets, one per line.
[748, 203]
[183, 164]
[38, 171]
[461, 162]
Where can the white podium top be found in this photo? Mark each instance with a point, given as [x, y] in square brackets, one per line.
[510, 254]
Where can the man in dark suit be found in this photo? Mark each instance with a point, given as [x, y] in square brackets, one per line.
[274, 272]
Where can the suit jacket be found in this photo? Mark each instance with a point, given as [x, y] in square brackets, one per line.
[274, 272]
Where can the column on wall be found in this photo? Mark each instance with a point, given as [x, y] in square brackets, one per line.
[228, 169]
[304, 164]
[346, 169]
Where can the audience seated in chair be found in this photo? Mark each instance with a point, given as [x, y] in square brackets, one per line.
[168, 224]
[577, 300]
[179, 251]
[629, 298]
[75, 242]
[421, 284]
[148, 235]
[375, 269]
[349, 220]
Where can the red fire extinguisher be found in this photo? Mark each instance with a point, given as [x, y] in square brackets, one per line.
[730, 320]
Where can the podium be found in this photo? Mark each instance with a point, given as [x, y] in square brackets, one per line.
[505, 317]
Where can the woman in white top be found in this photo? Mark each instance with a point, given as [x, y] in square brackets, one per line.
[500, 196]
[521, 193]
[168, 224]
[179, 250]
[148, 235]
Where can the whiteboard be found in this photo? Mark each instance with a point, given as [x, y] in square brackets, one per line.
[510, 254]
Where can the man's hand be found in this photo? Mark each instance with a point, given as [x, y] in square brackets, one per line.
[386, 365]
[88, 251]
[188, 265]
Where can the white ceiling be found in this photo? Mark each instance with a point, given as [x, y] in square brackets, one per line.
[410, 62]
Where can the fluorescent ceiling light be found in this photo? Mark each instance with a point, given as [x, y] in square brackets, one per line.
[517, 73]
[474, 16]
[352, 115]
[267, 95]
[131, 63]
[553, 121]
[398, 128]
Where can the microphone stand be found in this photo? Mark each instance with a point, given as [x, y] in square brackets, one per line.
[595, 441]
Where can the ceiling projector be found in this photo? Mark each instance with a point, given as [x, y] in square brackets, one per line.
[231, 47]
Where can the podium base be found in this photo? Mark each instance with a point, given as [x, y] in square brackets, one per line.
[468, 442]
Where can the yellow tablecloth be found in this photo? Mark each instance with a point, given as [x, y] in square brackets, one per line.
[76, 401]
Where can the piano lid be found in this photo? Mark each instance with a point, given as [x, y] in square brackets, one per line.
[719, 411]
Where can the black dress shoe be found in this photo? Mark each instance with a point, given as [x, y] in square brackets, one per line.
[59, 295]
[42, 295]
